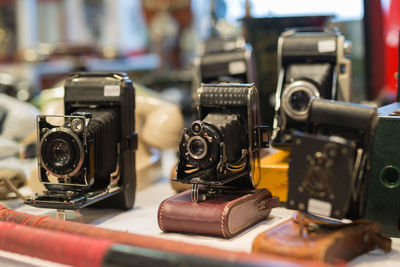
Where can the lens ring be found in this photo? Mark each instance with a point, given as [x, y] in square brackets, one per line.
[197, 147]
[389, 176]
[296, 99]
[73, 165]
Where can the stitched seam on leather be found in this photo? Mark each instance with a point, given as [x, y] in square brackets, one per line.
[225, 211]
[160, 216]
[226, 208]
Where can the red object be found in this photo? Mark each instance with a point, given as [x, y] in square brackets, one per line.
[375, 47]
[63, 248]
[155, 243]
[391, 43]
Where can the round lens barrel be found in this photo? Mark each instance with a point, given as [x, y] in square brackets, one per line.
[59, 152]
[197, 147]
[299, 100]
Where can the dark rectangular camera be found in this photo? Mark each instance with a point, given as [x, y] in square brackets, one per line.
[312, 63]
[223, 59]
[88, 155]
[222, 147]
[383, 181]
[383, 189]
[329, 162]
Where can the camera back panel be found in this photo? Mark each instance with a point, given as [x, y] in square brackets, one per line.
[320, 174]
[383, 181]
[330, 163]
[109, 90]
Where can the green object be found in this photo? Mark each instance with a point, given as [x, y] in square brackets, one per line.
[383, 183]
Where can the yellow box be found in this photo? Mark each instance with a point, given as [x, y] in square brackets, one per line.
[274, 173]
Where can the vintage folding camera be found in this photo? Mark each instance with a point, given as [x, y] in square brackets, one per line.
[221, 149]
[223, 59]
[88, 155]
[328, 164]
[312, 62]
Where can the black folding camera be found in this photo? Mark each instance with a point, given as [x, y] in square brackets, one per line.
[89, 154]
[329, 162]
[221, 148]
[223, 59]
[312, 62]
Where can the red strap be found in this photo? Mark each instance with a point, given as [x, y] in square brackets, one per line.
[58, 247]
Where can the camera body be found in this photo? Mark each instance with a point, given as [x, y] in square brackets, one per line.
[89, 154]
[328, 164]
[383, 190]
[223, 59]
[312, 62]
[222, 147]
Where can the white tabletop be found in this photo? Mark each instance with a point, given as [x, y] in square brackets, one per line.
[142, 219]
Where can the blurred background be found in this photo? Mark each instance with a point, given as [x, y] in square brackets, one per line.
[159, 44]
[155, 41]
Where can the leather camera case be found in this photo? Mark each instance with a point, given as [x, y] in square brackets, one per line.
[223, 215]
[328, 242]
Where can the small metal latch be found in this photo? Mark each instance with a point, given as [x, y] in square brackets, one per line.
[261, 136]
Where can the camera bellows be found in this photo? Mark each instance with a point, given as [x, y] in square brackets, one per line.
[231, 126]
[103, 134]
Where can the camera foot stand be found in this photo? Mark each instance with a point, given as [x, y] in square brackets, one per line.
[61, 215]
[195, 195]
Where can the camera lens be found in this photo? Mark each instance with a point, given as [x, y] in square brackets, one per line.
[197, 147]
[59, 152]
[296, 98]
[299, 100]
[200, 151]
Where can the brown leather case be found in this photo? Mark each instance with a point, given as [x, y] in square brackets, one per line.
[328, 242]
[223, 215]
